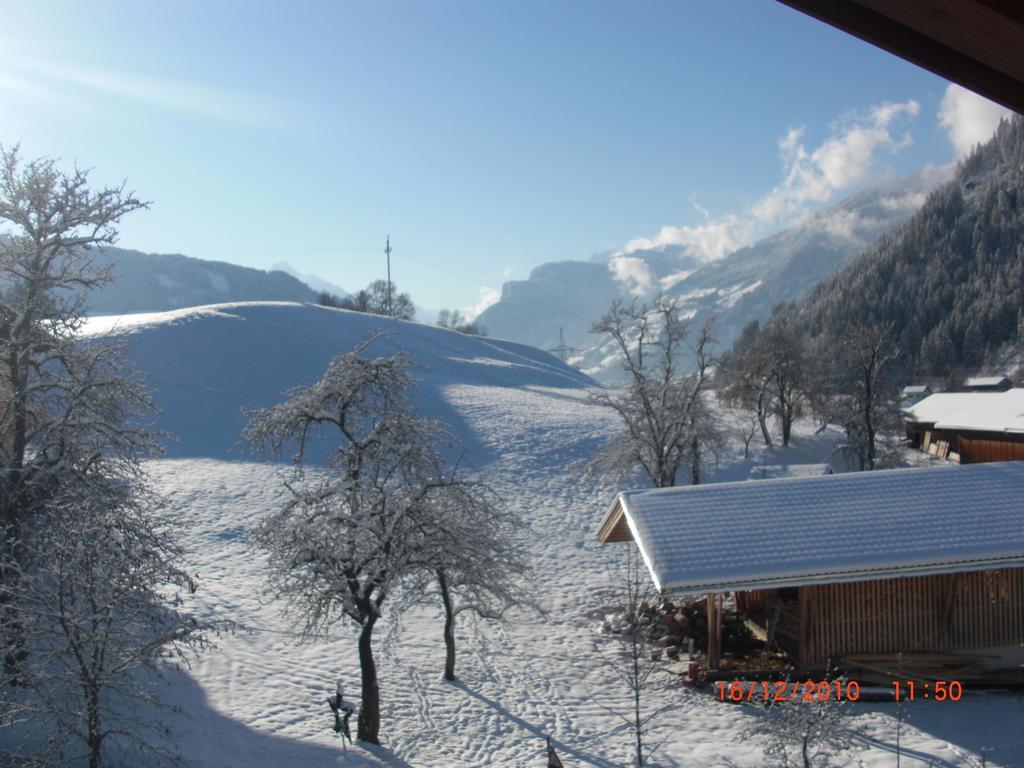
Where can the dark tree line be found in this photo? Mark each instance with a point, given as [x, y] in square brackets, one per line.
[374, 299]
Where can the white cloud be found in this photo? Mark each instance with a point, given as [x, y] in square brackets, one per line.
[632, 272]
[968, 118]
[488, 297]
[811, 176]
[840, 162]
[57, 78]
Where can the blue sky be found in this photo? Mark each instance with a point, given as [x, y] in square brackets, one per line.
[485, 137]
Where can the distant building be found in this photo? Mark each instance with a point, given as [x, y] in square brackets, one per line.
[776, 471]
[914, 394]
[969, 427]
[906, 561]
[987, 384]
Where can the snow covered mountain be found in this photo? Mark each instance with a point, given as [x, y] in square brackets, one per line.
[315, 282]
[154, 282]
[739, 288]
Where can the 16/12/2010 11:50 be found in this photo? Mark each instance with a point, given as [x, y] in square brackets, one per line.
[833, 690]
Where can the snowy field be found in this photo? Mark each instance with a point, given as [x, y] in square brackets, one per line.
[260, 698]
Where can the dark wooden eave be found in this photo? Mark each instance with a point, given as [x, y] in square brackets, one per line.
[976, 43]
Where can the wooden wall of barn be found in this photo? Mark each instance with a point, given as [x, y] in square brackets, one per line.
[920, 614]
[968, 447]
[979, 447]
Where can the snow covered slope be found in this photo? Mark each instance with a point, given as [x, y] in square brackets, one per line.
[259, 700]
[208, 363]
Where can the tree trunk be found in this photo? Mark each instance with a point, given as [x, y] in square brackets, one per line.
[12, 635]
[449, 626]
[369, 712]
[786, 416]
[94, 738]
[869, 422]
[695, 460]
[762, 420]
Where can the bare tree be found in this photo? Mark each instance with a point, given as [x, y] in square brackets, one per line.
[787, 360]
[60, 395]
[863, 398]
[99, 603]
[632, 659]
[374, 299]
[376, 515]
[804, 734]
[663, 410]
[745, 377]
[479, 566]
[456, 321]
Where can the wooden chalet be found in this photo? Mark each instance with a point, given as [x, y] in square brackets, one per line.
[899, 561]
[969, 427]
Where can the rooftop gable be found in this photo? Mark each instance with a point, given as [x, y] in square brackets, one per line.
[835, 528]
[982, 411]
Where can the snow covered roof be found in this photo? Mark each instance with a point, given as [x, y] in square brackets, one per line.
[987, 381]
[775, 471]
[916, 389]
[982, 411]
[819, 530]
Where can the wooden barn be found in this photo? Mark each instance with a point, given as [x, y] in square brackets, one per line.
[969, 427]
[905, 561]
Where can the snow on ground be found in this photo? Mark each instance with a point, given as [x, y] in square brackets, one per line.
[260, 699]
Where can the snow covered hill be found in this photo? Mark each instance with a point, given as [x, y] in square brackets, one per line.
[259, 700]
[208, 363]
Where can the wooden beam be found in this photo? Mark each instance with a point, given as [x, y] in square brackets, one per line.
[914, 45]
[714, 631]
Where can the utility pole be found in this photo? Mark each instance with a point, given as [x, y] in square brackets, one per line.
[387, 252]
[563, 351]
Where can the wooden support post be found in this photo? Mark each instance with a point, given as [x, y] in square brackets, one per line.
[805, 652]
[714, 631]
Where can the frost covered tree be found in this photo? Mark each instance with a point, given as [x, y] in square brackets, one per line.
[479, 565]
[744, 378]
[868, 401]
[100, 608]
[785, 351]
[804, 734]
[383, 510]
[91, 580]
[667, 422]
[380, 299]
[632, 659]
[59, 393]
